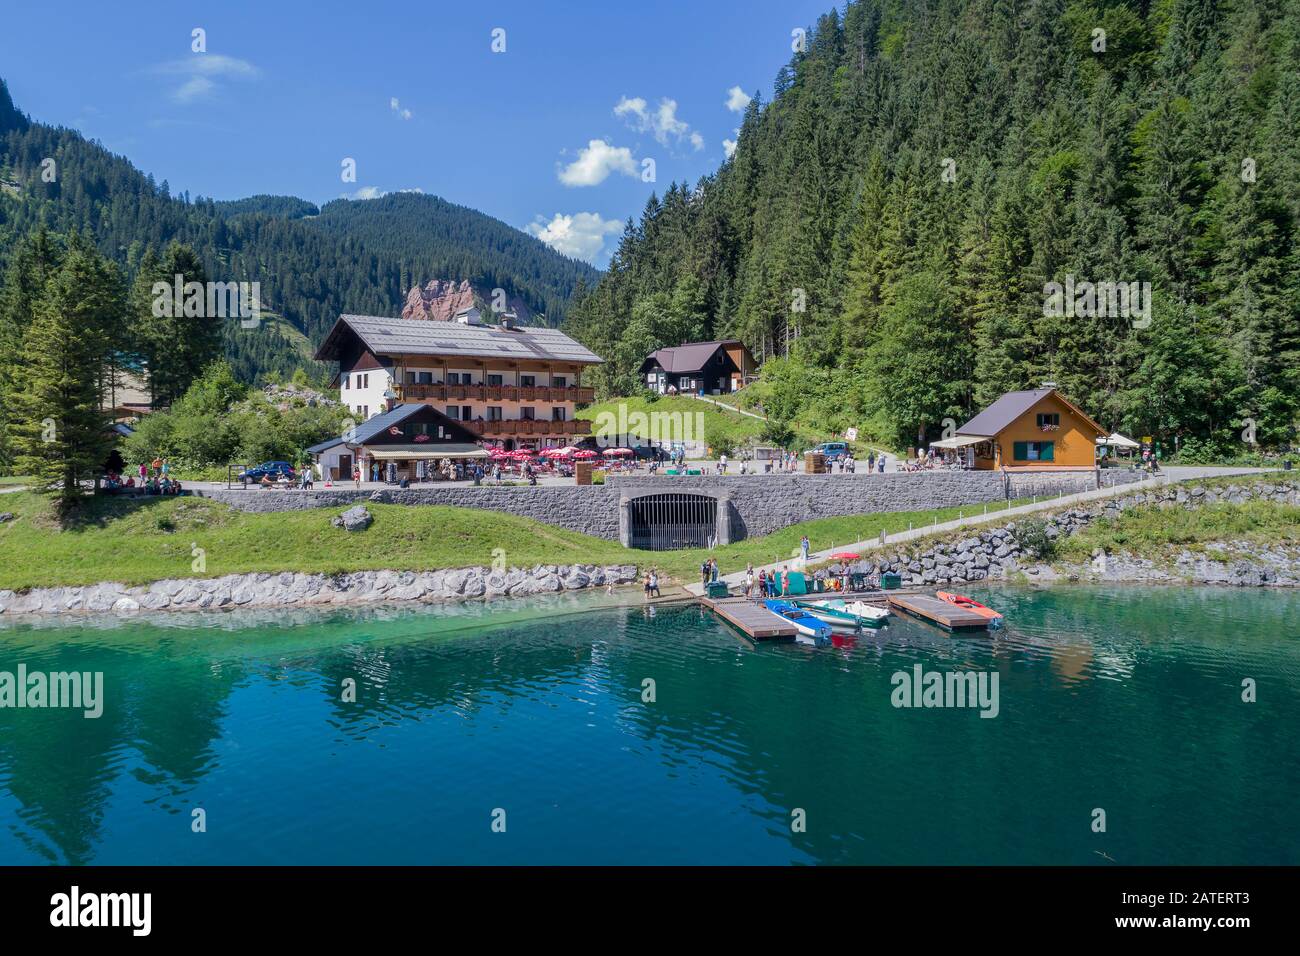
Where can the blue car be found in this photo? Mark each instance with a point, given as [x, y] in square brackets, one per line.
[833, 450]
[271, 469]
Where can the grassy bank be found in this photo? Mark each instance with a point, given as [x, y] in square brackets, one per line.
[141, 540]
[1149, 531]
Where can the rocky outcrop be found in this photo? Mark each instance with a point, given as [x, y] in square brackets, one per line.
[292, 589]
[439, 300]
[1000, 553]
[285, 397]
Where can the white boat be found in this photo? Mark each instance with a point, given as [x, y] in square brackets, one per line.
[868, 615]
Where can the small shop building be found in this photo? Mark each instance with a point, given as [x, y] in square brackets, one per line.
[414, 438]
[1034, 430]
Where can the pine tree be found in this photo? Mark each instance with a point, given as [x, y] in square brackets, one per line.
[58, 431]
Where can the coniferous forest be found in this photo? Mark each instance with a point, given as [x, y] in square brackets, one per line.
[312, 264]
[883, 234]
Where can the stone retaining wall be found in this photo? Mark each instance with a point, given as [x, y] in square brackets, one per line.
[756, 504]
[994, 553]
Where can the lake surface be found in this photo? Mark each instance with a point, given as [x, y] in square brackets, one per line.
[1128, 700]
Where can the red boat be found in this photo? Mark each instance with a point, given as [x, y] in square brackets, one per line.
[970, 604]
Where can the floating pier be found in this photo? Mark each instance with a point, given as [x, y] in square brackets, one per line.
[752, 619]
[939, 612]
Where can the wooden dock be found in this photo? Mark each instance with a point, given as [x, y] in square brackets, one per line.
[752, 619]
[938, 612]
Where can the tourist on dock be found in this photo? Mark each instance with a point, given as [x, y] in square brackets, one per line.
[704, 573]
[749, 580]
[713, 569]
[653, 582]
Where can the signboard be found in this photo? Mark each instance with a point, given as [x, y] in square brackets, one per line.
[851, 434]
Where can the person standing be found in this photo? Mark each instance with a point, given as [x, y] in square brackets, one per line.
[871, 460]
[880, 463]
[356, 475]
[749, 580]
[654, 583]
[804, 547]
[704, 573]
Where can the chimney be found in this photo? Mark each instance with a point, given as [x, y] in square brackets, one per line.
[509, 320]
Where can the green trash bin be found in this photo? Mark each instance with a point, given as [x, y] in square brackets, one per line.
[718, 589]
[889, 581]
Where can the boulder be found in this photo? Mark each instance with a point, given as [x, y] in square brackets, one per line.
[354, 519]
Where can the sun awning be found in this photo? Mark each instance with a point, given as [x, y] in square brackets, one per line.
[425, 452]
[958, 441]
[1119, 441]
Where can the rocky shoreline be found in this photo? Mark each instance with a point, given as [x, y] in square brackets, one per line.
[1000, 554]
[294, 589]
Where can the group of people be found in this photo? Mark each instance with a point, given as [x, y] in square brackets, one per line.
[764, 584]
[151, 478]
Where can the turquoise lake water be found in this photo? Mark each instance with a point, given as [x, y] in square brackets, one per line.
[1128, 700]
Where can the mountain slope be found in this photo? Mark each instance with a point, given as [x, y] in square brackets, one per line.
[312, 264]
[886, 230]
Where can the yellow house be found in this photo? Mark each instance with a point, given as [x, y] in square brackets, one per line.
[1035, 430]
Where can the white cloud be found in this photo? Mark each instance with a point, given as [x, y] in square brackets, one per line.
[737, 99]
[729, 145]
[581, 235]
[595, 162]
[397, 108]
[662, 122]
[202, 70]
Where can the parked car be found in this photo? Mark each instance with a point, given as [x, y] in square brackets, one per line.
[833, 450]
[272, 469]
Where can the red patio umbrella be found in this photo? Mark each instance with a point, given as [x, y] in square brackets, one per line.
[585, 454]
[619, 451]
[559, 452]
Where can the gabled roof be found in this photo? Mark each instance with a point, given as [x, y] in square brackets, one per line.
[691, 357]
[385, 336]
[376, 425]
[998, 416]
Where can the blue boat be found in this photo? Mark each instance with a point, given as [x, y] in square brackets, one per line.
[803, 622]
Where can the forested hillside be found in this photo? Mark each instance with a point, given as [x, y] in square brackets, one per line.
[351, 256]
[926, 167]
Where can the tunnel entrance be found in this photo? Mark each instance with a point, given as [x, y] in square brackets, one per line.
[673, 521]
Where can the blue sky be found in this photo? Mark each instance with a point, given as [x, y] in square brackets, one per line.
[548, 136]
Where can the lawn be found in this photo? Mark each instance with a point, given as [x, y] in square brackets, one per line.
[11, 480]
[139, 540]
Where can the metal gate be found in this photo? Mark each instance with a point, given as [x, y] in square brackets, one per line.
[669, 522]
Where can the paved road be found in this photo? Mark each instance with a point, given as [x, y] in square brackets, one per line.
[998, 515]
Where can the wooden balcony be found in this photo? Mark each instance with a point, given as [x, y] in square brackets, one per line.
[525, 426]
[495, 393]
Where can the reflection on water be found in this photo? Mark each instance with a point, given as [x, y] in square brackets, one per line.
[1125, 699]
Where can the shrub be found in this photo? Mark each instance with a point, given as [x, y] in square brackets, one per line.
[1033, 538]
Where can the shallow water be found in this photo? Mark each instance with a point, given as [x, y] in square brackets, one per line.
[1124, 699]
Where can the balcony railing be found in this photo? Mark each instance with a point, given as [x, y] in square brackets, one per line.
[531, 426]
[496, 393]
